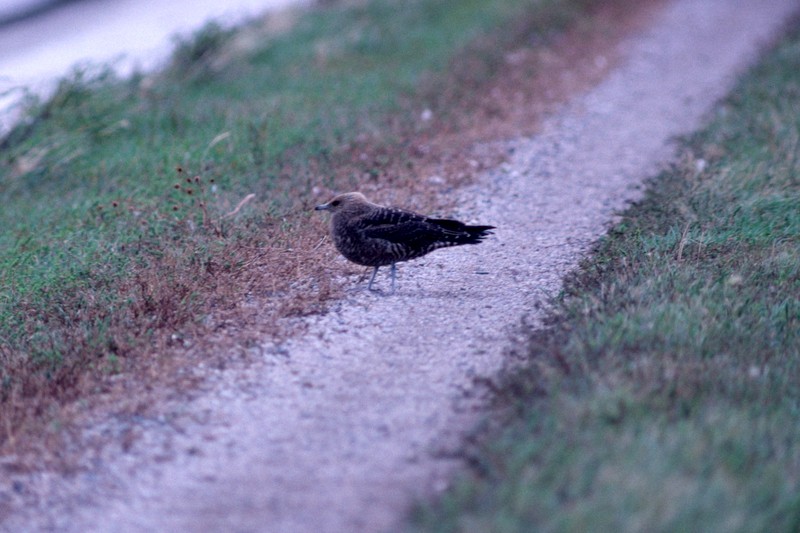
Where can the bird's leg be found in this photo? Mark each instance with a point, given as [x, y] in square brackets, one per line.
[374, 272]
[394, 275]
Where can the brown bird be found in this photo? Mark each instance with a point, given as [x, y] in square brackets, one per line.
[376, 236]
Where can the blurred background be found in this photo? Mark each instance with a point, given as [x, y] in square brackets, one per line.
[41, 40]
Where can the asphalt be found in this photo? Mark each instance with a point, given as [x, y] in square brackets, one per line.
[42, 41]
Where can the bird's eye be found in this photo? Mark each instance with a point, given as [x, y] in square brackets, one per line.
[335, 203]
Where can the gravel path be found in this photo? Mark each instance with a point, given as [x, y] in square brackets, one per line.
[340, 429]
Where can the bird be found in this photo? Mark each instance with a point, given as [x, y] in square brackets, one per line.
[374, 235]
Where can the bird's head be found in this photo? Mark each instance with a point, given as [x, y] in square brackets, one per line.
[345, 202]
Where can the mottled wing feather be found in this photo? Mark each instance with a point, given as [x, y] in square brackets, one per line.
[411, 233]
[401, 227]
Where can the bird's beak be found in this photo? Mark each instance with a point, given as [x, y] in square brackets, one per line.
[323, 207]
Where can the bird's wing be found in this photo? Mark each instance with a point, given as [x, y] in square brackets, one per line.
[398, 226]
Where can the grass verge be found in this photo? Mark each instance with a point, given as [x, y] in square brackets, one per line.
[665, 396]
[121, 239]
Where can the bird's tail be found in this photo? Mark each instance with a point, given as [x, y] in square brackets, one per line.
[478, 233]
[455, 232]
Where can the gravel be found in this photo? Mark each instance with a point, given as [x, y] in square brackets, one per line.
[342, 428]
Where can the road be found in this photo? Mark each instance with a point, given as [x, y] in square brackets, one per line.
[128, 34]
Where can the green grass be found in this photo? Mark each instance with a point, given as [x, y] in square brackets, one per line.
[105, 245]
[666, 395]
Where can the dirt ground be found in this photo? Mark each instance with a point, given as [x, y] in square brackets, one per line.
[341, 428]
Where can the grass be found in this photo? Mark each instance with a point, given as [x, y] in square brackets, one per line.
[666, 394]
[120, 232]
